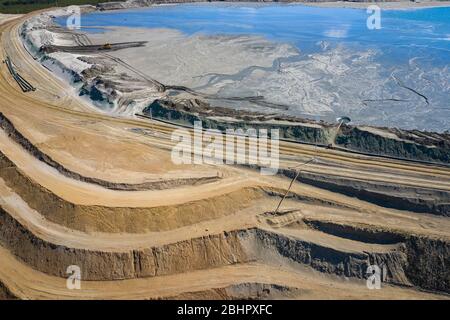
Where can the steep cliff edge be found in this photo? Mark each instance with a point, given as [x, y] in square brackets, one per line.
[414, 261]
[409, 144]
[414, 145]
[96, 76]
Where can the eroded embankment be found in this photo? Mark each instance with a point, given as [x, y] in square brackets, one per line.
[17, 137]
[193, 254]
[388, 195]
[396, 143]
[103, 85]
[416, 145]
[187, 111]
[358, 233]
[324, 258]
[242, 291]
[101, 82]
[5, 293]
[385, 194]
[91, 218]
[122, 219]
[419, 260]
[429, 263]
[427, 260]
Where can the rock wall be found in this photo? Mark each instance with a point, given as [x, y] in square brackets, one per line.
[403, 144]
[194, 254]
[392, 195]
[438, 150]
[428, 263]
[425, 261]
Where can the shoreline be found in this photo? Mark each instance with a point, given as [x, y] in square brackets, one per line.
[125, 92]
[388, 5]
[385, 5]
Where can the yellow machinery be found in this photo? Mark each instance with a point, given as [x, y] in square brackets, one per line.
[106, 46]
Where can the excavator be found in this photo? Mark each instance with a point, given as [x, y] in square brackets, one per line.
[106, 46]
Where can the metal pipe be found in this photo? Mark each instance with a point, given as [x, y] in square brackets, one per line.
[292, 182]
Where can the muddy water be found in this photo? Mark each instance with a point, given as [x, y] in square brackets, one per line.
[306, 61]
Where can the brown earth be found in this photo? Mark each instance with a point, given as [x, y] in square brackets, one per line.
[200, 239]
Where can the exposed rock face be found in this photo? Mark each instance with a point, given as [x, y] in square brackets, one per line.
[397, 143]
[243, 291]
[428, 263]
[186, 112]
[326, 259]
[85, 218]
[5, 294]
[416, 260]
[409, 259]
[392, 195]
[425, 260]
[193, 254]
[15, 135]
[361, 234]
[109, 89]
[72, 56]
[427, 146]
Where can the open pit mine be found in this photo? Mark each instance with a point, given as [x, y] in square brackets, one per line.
[92, 205]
